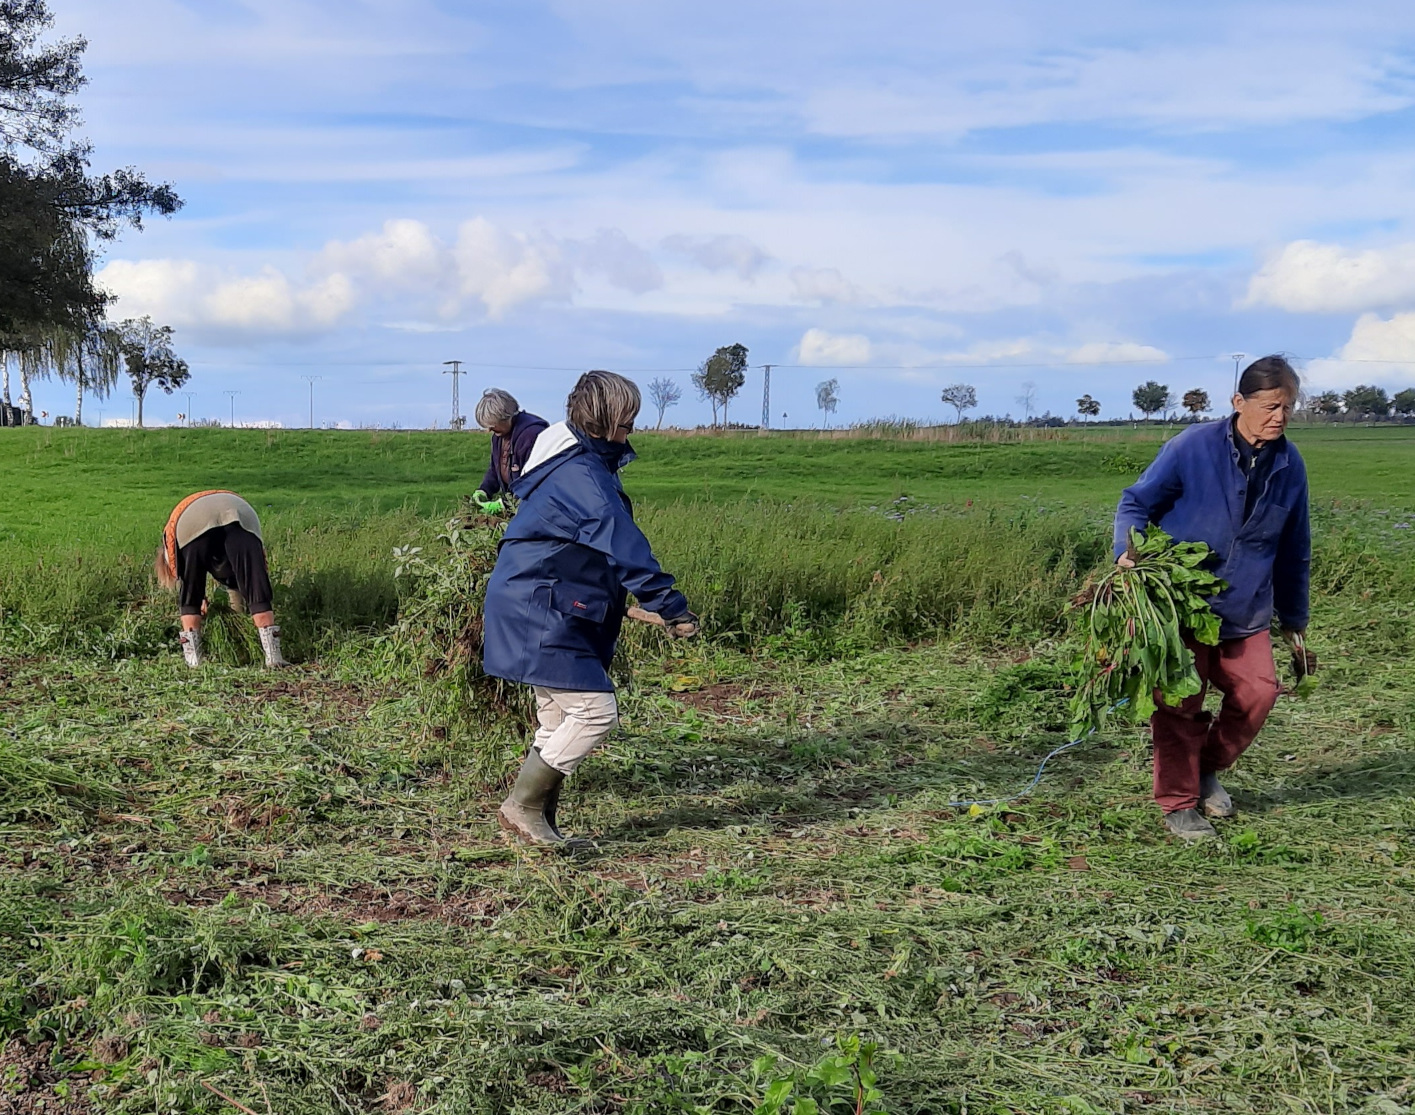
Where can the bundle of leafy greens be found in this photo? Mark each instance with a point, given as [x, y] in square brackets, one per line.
[1134, 620]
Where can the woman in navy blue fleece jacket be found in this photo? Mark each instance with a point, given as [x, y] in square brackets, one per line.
[513, 436]
[1240, 486]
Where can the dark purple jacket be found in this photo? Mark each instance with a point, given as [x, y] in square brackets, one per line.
[525, 428]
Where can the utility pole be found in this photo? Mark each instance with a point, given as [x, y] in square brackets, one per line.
[1237, 359]
[454, 372]
[766, 397]
[310, 380]
[232, 396]
[189, 395]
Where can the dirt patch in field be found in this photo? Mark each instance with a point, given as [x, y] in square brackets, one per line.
[30, 1085]
[358, 904]
[724, 698]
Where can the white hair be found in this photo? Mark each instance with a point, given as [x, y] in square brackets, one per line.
[496, 406]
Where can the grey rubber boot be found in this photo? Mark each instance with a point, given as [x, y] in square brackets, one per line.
[1187, 824]
[191, 647]
[270, 643]
[522, 814]
[552, 802]
[1214, 799]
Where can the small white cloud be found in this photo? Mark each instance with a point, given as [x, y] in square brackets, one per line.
[1380, 350]
[825, 285]
[404, 253]
[1309, 277]
[817, 347]
[504, 269]
[612, 254]
[720, 253]
[1116, 352]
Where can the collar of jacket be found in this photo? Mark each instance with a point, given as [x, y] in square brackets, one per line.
[614, 454]
[1230, 438]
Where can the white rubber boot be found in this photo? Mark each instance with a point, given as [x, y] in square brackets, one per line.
[270, 643]
[191, 647]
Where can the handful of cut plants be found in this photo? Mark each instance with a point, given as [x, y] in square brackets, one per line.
[1134, 619]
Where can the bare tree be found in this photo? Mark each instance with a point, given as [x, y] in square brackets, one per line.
[961, 397]
[1028, 399]
[827, 398]
[663, 393]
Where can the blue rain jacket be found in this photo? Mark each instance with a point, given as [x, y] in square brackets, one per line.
[556, 599]
[1195, 490]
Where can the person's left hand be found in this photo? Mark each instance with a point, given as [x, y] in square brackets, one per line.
[683, 627]
[1304, 661]
[203, 607]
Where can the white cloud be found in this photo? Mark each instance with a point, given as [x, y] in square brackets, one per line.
[622, 262]
[1310, 277]
[504, 269]
[404, 253]
[825, 285]
[1116, 352]
[817, 347]
[1380, 350]
[189, 295]
[720, 253]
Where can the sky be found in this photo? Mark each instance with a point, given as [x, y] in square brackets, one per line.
[1033, 198]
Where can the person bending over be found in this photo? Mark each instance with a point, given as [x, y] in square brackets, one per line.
[556, 599]
[513, 434]
[217, 534]
[1240, 486]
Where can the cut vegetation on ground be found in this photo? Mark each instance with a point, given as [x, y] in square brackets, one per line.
[286, 891]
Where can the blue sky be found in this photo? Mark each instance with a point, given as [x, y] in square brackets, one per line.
[898, 195]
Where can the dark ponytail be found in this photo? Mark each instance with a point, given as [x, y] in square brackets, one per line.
[1267, 373]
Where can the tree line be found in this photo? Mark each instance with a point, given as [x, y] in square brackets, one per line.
[56, 214]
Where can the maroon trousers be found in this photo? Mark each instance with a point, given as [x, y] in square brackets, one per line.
[1190, 742]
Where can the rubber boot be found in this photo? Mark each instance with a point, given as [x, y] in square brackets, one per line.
[1214, 799]
[1188, 824]
[270, 643]
[522, 814]
[552, 802]
[191, 647]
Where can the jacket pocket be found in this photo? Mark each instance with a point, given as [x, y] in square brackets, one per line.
[579, 601]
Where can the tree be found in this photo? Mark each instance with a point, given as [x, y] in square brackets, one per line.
[663, 393]
[149, 359]
[721, 376]
[827, 399]
[1327, 403]
[1087, 407]
[1367, 402]
[1404, 402]
[52, 209]
[91, 359]
[1196, 401]
[961, 397]
[1150, 398]
[1028, 399]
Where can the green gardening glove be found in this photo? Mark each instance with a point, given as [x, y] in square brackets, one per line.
[488, 506]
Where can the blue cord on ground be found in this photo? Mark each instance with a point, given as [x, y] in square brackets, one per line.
[1036, 778]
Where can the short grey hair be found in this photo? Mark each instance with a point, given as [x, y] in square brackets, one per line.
[601, 402]
[494, 406]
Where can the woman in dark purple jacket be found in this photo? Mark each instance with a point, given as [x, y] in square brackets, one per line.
[513, 435]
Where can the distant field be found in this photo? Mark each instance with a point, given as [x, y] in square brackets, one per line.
[59, 484]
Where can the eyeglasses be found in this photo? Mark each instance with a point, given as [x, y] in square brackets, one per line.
[626, 426]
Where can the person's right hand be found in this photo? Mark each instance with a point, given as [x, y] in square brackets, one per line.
[683, 627]
[1125, 561]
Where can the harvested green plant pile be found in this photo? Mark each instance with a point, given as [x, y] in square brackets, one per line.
[1135, 621]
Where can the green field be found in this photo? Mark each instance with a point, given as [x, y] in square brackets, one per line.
[289, 888]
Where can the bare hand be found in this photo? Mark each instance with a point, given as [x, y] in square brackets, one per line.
[1125, 561]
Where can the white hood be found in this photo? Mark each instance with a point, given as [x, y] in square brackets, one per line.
[552, 441]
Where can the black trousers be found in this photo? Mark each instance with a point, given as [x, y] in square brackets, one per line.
[234, 557]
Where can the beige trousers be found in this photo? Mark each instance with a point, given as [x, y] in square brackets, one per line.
[572, 724]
